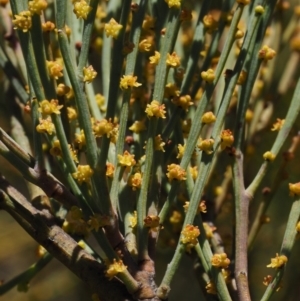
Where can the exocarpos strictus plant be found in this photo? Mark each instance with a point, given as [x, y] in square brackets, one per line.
[146, 126]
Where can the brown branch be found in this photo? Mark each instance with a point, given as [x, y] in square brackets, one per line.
[41, 226]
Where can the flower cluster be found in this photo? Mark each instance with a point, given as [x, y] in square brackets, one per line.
[208, 117]
[294, 189]
[208, 76]
[89, 74]
[278, 261]
[83, 174]
[152, 222]
[189, 236]
[227, 139]
[112, 28]
[110, 169]
[266, 53]
[81, 9]
[174, 3]
[115, 268]
[154, 59]
[135, 181]
[74, 222]
[183, 101]
[173, 60]
[47, 107]
[156, 109]
[220, 260]
[45, 126]
[206, 145]
[268, 156]
[37, 6]
[176, 172]
[55, 68]
[126, 159]
[129, 81]
[201, 207]
[23, 21]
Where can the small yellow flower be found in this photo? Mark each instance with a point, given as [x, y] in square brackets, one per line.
[266, 53]
[55, 150]
[154, 59]
[249, 115]
[45, 126]
[173, 3]
[259, 9]
[145, 46]
[23, 21]
[89, 74]
[183, 101]
[156, 109]
[171, 91]
[72, 113]
[112, 28]
[201, 207]
[206, 145]
[138, 126]
[81, 9]
[176, 172]
[176, 217]
[211, 288]
[48, 26]
[220, 260]
[62, 89]
[209, 230]
[129, 81]
[126, 159]
[115, 268]
[135, 181]
[208, 117]
[278, 261]
[242, 78]
[268, 156]
[80, 139]
[37, 6]
[243, 2]
[159, 144]
[278, 124]
[102, 127]
[98, 221]
[227, 139]
[49, 107]
[55, 68]
[181, 149]
[74, 222]
[151, 221]
[189, 236]
[83, 173]
[173, 60]
[133, 220]
[194, 172]
[294, 189]
[208, 75]
[210, 24]
[110, 169]
[148, 23]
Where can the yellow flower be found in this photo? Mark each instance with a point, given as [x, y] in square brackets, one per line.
[189, 236]
[278, 261]
[80, 139]
[208, 75]
[45, 126]
[194, 172]
[49, 107]
[173, 60]
[201, 207]
[171, 91]
[210, 24]
[133, 220]
[266, 53]
[176, 217]
[209, 230]
[48, 26]
[115, 268]
[268, 156]
[110, 169]
[206, 145]
[126, 159]
[227, 139]
[102, 127]
[181, 149]
[23, 21]
[129, 81]
[138, 126]
[220, 260]
[145, 45]
[159, 144]
[208, 117]
[176, 172]
[72, 114]
[37, 6]
[89, 74]
[55, 150]
[81, 9]
[211, 288]
[243, 2]
[151, 221]
[154, 59]
[183, 101]
[294, 189]
[156, 109]
[135, 181]
[74, 222]
[278, 124]
[242, 78]
[148, 23]
[173, 3]
[62, 89]
[98, 221]
[83, 173]
[112, 28]
[55, 68]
